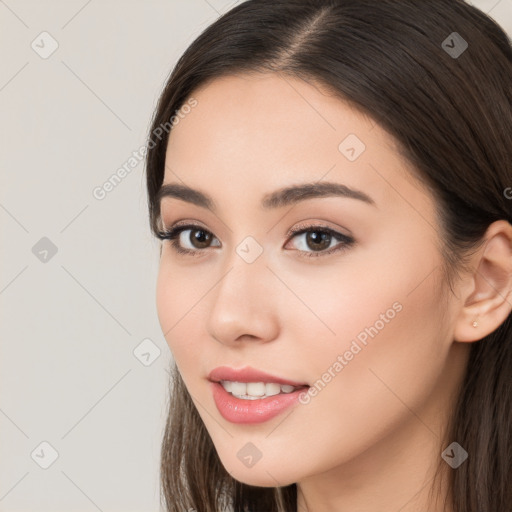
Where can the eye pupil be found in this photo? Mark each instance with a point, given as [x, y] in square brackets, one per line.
[201, 236]
[318, 237]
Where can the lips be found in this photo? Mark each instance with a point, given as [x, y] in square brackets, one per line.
[241, 411]
[249, 374]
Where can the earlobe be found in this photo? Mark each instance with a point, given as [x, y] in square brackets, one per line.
[490, 302]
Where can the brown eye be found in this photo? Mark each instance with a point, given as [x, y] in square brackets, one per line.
[318, 240]
[314, 241]
[191, 245]
[199, 238]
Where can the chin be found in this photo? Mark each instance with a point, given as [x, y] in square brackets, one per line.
[261, 475]
[260, 479]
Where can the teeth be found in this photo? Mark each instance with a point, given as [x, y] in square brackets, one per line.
[272, 389]
[255, 390]
[238, 388]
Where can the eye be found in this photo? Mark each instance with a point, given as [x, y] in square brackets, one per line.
[198, 238]
[319, 238]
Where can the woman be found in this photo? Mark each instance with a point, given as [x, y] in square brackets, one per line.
[332, 188]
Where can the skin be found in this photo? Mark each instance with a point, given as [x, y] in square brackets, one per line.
[372, 437]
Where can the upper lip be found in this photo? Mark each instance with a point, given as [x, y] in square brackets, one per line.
[248, 374]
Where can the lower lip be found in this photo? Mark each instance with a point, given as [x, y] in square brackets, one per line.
[238, 410]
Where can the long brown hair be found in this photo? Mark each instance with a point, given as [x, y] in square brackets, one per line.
[449, 108]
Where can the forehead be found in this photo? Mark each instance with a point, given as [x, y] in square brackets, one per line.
[253, 133]
[252, 109]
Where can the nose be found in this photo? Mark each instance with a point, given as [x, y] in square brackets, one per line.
[244, 305]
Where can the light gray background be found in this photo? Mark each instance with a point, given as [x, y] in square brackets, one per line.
[70, 324]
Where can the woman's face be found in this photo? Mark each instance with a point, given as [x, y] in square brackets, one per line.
[357, 312]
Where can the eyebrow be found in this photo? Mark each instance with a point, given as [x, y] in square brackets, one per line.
[277, 199]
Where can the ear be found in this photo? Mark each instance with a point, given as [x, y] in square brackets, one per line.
[489, 297]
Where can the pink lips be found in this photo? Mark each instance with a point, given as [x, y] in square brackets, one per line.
[248, 374]
[238, 410]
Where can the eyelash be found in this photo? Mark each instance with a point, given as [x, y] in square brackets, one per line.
[173, 233]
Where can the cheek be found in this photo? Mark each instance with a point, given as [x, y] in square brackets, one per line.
[384, 314]
[385, 361]
[166, 300]
[182, 301]
[178, 303]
